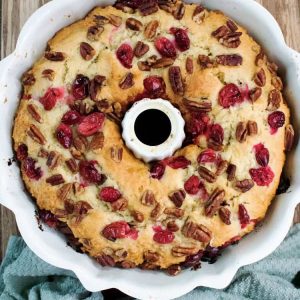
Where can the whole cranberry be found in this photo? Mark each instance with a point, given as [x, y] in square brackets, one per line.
[125, 55]
[91, 124]
[165, 47]
[179, 162]
[230, 95]
[154, 86]
[30, 169]
[276, 119]
[192, 185]
[181, 38]
[81, 87]
[109, 194]
[207, 156]
[22, 152]
[50, 98]
[116, 230]
[262, 176]
[64, 135]
[89, 173]
[71, 117]
[261, 154]
[157, 170]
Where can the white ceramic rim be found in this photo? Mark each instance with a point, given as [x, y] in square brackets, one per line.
[50, 246]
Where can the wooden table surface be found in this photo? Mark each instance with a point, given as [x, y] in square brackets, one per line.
[16, 12]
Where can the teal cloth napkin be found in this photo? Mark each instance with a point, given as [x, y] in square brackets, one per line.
[25, 276]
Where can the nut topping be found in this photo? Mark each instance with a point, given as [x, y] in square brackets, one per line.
[179, 11]
[32, 109]
[206, 174]
[80, 143]
[198, 14]
[189, 65]
[94, 33]
[36, 135]
[119, 205]
[127, 81]
[148, 8]
[231, 170]
[95, 86]
[176, 80]
[175, 212]
[105, 260]
[244, 185]
[222, 167]
[53, 160]
[97, 141]
[179, 251]
[148, 198]
[55, 56]
[224, 214]
[64, 192]
[174, 270]
[140, 49]
[115, 20]
[201, 106]
[255, 94]
[155, 211]
[150, 30]
[134, 24]
[172, 226]
[87, 52]
[151, 256]
[162, 63]
[260, 78]
[205, 62]
[116, 154]
[241, 132]
[252, 128]
[229, 60]
[214, 202]
[197, 232]
[231, 25]
[143, 66]
[101, 20]
[177, 197]
[56, 179]
[277, 83]
[289, 137]
[138, 216]
[49, 74]
[260, 58]
[72, 165]
[28, 79]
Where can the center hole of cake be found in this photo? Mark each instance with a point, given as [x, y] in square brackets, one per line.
[152, 127]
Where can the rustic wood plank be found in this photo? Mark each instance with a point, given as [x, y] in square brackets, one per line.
[15, 13]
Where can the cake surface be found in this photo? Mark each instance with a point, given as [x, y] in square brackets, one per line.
[211, 192]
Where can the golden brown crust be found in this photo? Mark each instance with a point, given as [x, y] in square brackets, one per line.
[131, 176]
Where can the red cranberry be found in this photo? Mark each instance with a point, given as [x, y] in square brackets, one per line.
[192, 185]
[48, 218]
[125, 55]
[154, 86]
[276, 119]
[71, 117]
[51, 96]
[89, 173]
[243, 216]
[179, 162]
[133, 234]
[165, 47]
[230, 95]
[91, 124]
[262, 176]
[163, 236]
[31, 170]
[261, 155]
[81, 87]
[216, 133]
[193, 261]
[157, 170]
[244, 89]
[198, 124]
[109, 194]
[22, 152]
[64, 135]
[181, 38]
[116, 230]
[207, 156]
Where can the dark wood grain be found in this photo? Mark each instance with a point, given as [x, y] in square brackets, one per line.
[15, 12]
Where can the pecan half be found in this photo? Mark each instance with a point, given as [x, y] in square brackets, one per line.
[215, 145]
[189, 65]
[148, 198]
[95, 86]
[119, 205]
[105, 260]
[64, 192]
[198, 14]
[116, 154]
[36, 135]
[72, 165]
[289, 137]
[241, 132]
[155, 211]
[162, 63]
[97, 141]
[255, 94]
[167, 5]
[206, 174]
[172, 226]
[143, 66]
[231, 25]
[222, 167]
[174, 270]
[28, 79]
[225, 214]
[151, 256]
[87, 52]
[43, 153]
[205, 62]
[82, 107]
[177, 197]
[179, 11]
[201, 106]
[214, 202]
[260, 78]
[220, 32]
[115, 20]
[56, 179]
[231, 40]
[80, 143]
[176, 80]
[197, 232]
[128, 264]
[173, 211]
[272, 67]
[274, 100]
[138, 216]
[126, 82]
[244, 185]
[94, 33]
[231, 60]
[53, 160]
[231, 170]
[140, 49]
[49, 74]
[277, 83]
[252, 128]
[33, 110]
[179, 251]
[134, 24]
[101, 20]
[55, 56]
[148, 8]
[260, 58]
[150, 30]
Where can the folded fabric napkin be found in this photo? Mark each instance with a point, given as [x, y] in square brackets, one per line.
[25, 276]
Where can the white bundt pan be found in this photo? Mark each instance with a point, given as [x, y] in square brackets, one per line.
[51, 246]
